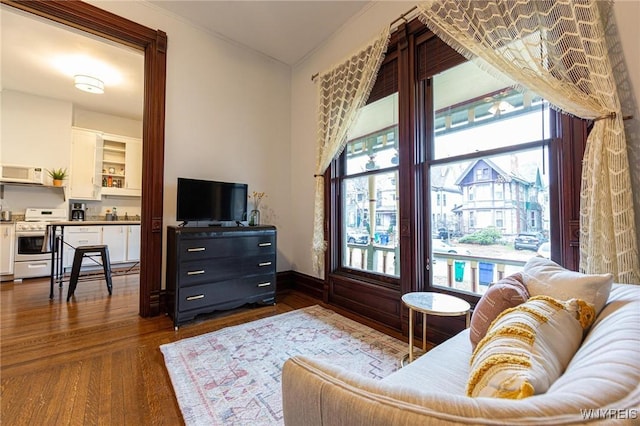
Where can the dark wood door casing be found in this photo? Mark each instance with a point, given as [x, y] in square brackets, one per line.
[153, 43]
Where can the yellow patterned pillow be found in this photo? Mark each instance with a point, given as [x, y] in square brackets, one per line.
[528, 347]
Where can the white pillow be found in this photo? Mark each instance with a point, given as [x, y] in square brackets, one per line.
[528, 347]
[545, 277]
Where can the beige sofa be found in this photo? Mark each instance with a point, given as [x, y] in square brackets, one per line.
[601, 384]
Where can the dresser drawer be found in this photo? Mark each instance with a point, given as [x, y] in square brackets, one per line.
[211, 294]
[221, 269]
[206, 248]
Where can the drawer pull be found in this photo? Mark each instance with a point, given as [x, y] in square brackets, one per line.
[196, 249]
[267, 284]
[201, 271]
[264, 245]
[199, 296]
[264, 264]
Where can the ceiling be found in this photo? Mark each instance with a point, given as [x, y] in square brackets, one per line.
[33, 48]
[284, 30]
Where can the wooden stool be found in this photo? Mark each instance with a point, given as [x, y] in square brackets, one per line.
[89, 251]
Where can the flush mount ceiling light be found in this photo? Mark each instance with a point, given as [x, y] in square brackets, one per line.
[89, 84]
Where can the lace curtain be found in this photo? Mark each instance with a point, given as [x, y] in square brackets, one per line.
[342, 91]
[557, 48]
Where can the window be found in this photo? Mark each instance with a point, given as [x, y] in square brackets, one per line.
[427, 161]
[369, 191]
[484, 153]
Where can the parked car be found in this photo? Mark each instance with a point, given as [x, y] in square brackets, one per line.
[545, 250]
[357, 236]
[529, 240]
[439, 246]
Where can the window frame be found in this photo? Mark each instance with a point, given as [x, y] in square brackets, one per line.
[379, 298]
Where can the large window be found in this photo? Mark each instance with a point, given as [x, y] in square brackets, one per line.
[449, 180]
[369, 210]
[490, 142]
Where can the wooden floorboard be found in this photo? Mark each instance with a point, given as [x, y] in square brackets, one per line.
[93, 360]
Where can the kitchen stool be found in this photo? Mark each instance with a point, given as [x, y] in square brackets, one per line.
[101, 250]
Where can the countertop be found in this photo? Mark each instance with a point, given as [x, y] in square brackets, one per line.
[94, 222]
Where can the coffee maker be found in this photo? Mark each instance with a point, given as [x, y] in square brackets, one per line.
[77, 211]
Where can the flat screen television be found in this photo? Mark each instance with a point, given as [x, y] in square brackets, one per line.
[212, 201]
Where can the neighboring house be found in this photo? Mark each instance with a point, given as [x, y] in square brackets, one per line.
[493, 197]
[446, 199]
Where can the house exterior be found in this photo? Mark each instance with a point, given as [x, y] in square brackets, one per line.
[493, 197]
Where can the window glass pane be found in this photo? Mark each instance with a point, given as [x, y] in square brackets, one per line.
[370, 214]
[488, 225]
[370, 196]
[496, 214]
[373, 140]
[487, 114]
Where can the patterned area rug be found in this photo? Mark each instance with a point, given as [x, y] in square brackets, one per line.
[232, 376]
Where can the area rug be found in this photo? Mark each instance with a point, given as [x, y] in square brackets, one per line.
[233, 376]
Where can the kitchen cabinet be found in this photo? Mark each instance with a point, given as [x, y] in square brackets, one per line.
[116, 238]
[133, 244]
[80, 236]
[84, 173]
[121, 165]
[7, 248]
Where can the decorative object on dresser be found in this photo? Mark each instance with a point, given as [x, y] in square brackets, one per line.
[218, 268]
[233, 376]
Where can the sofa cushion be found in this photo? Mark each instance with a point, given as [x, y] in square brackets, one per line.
[528, 347]
[506, 293]
[545, 277]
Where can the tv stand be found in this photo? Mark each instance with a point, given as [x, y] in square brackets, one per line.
[218, 268]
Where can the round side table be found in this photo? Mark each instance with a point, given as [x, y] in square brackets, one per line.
[432, 303]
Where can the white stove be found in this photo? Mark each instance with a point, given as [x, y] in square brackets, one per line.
[37, 219]
[30, 259]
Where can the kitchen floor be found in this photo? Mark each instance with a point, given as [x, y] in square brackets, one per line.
[94, 360]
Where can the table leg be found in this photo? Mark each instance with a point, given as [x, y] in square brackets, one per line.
[424, 333]
[467, 319]
[410, 335]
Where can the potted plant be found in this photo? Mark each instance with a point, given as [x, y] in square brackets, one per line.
[58, 175]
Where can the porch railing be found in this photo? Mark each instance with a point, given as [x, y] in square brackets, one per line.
[463, 272]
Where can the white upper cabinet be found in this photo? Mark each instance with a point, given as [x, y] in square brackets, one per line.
[121, 166]
[84, 173]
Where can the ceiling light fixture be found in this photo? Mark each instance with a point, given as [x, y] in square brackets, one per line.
[89, 84]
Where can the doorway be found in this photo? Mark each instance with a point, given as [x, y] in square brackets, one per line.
[153, 43]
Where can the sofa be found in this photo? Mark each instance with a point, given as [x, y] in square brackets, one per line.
[600, 384]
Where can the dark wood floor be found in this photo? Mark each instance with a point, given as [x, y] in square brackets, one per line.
[93, 360]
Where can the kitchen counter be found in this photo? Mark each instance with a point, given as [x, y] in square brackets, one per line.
[94, 222]
[54, 242]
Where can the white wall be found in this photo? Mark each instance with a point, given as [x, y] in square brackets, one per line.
[107, 123]
[30, 123]
[227, 117]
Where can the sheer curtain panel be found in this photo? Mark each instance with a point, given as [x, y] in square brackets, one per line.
[342, 91]
[558, 49]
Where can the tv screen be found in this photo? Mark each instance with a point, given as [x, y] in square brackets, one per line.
[206, 200]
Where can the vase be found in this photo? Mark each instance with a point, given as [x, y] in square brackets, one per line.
[254, 217]
[57, 182]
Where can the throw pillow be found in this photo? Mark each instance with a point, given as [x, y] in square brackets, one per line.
[506, 293]
[545, 277]
[528, 347]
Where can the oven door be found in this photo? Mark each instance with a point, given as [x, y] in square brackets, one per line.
[29, 246]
